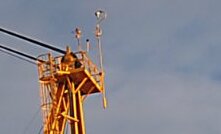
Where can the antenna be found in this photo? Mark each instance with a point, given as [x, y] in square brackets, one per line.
[78, 37]
[101, 15]
[87, 45]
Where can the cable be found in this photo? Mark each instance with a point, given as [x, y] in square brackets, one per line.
[66, 128]
[17, 52]
[39, 132]
[13, 55]
[31, 121]
[34, 41]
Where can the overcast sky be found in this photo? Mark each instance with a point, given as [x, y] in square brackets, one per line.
[162, 62]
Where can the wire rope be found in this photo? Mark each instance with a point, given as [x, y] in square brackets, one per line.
[31, 121]
[39, 132]
[18, 57]
[29, 39]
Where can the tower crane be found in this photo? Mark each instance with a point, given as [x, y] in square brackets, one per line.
[65, 81]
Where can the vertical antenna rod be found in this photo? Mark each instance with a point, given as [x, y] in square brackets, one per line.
[101, 15]
[31, 40]
[78, 37]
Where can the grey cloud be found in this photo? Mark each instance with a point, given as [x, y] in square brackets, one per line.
[161, 59]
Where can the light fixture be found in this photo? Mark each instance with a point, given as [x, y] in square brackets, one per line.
[101, 15]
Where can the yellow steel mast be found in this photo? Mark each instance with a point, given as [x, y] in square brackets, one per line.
[65, 82]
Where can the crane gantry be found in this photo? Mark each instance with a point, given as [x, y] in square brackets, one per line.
[65, 82]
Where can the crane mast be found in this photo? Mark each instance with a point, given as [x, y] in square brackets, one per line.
[66, 81]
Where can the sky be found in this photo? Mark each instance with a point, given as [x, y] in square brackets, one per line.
[161, 57]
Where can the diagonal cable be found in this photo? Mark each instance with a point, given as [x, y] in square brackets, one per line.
[29, 39]
[17, 52]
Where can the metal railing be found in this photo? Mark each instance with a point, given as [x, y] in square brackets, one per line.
[52, 65]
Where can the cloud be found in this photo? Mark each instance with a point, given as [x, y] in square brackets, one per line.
[161, 60]
[159, 103]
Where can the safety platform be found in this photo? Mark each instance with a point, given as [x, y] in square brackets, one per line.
[51, 69]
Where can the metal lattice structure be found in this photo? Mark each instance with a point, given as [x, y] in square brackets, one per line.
[65, 82]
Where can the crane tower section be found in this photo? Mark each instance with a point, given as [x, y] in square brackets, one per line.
[65, 82]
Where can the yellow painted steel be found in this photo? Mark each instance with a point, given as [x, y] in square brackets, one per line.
[64, 86]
